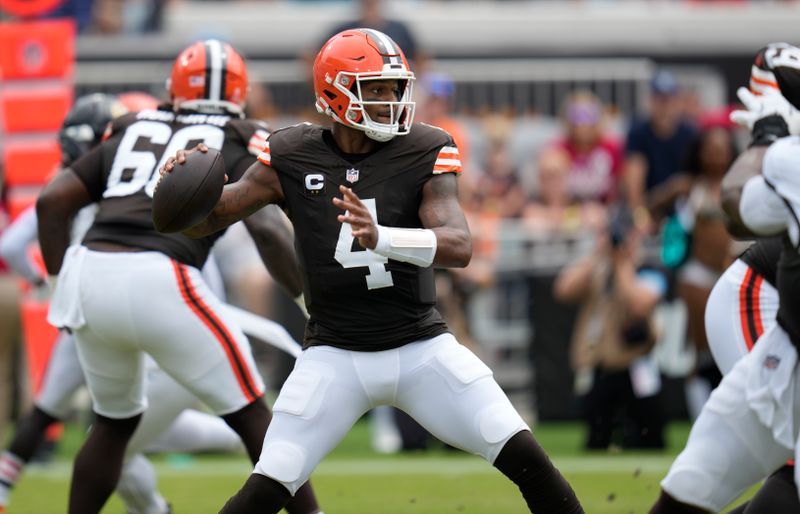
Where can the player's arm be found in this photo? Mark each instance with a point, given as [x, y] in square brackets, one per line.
[441, 213]
[259, 186]
[574, 282]
[57, 205]
[444, 241]
[745, 167]
[767, 205]
[274, 240]
[14, 246]
[766, 116]
[634, 172]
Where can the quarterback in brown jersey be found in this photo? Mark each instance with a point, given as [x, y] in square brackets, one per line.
[128, 291]
[374, 204]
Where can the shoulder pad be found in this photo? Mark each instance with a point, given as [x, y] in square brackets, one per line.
[438, 140]
[119, 124]
[252, 132]
[287, 140]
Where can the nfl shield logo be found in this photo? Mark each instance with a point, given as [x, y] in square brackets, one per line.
[772, 362]
[352, 175]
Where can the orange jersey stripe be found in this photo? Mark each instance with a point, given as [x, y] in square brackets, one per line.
[757, 305]
[264, 157]
[450, 169]
[743, 311]
[226, 340]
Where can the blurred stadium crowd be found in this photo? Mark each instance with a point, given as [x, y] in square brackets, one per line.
[594, 208]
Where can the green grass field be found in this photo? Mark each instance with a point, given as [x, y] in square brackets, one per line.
[354, 480]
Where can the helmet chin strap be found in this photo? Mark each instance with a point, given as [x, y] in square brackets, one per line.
[381, 137]
[380, 132]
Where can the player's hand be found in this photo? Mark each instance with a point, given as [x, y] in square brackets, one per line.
[180, 158]
[358, 216]
[770, 102]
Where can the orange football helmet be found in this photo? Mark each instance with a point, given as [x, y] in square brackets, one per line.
[210, 77]
[344, 62]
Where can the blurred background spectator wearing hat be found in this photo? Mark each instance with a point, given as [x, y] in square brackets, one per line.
[655, 150]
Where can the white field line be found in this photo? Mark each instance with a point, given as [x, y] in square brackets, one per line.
[388, 466]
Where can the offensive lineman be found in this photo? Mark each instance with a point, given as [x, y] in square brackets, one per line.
[374, 336]
[744, 302]
[130, 290]
[170, 424]
[747, 429]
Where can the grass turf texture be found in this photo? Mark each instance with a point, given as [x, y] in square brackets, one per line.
[355, 480]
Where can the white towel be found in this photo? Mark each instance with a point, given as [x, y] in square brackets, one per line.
[771, 384]
[66, 310]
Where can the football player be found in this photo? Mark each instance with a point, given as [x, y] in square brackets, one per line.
[129, 291]
[747, 429]
[746, 291]
[375, 207]
[189, 430]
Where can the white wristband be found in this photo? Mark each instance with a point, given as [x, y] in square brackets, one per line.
[413, 245]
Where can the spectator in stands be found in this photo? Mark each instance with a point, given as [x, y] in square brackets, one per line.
[595, 156]
[709, 251]
[554, 209]
[78, 10]
[655, 150]
[614, 336]
[498, 188]
[139, 17]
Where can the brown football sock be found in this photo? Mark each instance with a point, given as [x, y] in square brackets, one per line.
[99, 463]
[544, 489]
[666, 504]
[251, 424]
[259, 495]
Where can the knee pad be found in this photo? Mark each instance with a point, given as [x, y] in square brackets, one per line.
[698, 477]
[284, 462]
[497, 423]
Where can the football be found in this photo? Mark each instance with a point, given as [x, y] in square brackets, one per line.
[185, 196]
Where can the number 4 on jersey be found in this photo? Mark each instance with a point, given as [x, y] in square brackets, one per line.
[377, 277]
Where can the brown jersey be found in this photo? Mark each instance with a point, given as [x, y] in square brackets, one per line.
[763, 256]
[357, 299]
[121, 174]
